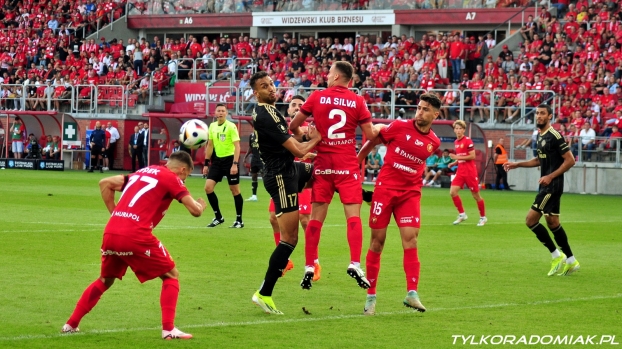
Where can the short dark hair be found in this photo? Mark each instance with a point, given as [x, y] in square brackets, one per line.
[299, 97]
[258, 75]
[221, 105]
[182, 157]
[345, 68]
[548, 108]
[432, 99]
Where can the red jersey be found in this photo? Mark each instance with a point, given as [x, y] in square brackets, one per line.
[337, 112]
[407, 150]
[463, 147]
[146, 197]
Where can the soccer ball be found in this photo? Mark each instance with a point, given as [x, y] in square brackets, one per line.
[193, 134]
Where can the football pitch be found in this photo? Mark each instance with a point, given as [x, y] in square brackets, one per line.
[478, 283]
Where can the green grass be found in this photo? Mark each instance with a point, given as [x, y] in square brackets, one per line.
[474, 280]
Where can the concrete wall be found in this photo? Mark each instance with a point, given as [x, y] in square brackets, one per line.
[590, 179]
[118, 30]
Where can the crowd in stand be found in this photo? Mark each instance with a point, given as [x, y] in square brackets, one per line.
[577, 57]
[148, 7]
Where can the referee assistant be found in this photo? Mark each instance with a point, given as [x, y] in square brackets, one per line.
[223, 151]
[98, 147]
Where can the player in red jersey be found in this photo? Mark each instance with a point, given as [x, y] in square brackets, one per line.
[128, 239]
[466, 174]
[304, 197]
[337, 112]
[398, 193]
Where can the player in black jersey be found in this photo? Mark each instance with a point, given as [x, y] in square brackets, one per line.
[256, 164]
[283, 178]
[554, 158]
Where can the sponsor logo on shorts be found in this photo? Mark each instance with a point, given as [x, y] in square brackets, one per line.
[116, 253]
[406, 219]
[329, 171]
[374, 219]
[124, 214]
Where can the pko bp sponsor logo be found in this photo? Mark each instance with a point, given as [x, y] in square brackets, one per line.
[329, 171]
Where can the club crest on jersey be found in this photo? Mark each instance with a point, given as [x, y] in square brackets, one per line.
[543, 143]
[430, 147]
[222, 137]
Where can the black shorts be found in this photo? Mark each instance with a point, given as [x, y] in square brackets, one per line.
[97, 150]
[284, 187]
[256, 167]
[222, 168]
[547, 204]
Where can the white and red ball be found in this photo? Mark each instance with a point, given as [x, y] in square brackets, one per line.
[193, 134]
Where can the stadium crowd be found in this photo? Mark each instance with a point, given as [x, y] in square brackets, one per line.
[148, 7]
[577, 57]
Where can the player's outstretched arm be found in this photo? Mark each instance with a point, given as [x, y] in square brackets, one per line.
[294, 125]
[298, 149]
[367, 147]
[195, 207]
[512, 165]
[371, 131]
[108, 186]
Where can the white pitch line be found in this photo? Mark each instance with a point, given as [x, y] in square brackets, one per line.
[197, 227]
[313, 319]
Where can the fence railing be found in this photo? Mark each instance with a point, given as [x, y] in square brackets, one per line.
[600, 149]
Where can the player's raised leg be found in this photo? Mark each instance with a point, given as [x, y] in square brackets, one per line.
[312, 241]
[354, 230]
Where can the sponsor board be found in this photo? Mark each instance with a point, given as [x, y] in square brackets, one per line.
[190, 97]
[322, 18]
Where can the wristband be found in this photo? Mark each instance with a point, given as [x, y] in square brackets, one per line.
[206, 162]
[235, 162]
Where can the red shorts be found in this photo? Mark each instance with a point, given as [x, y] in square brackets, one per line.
[304, 202]
[404, 205]
[336, 174]
[147, 260]
[470, 180]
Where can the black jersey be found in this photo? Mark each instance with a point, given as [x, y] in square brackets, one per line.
[551, 148]
[271, 131]
[253, 147]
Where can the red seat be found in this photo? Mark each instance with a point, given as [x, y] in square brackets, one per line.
[199, 156]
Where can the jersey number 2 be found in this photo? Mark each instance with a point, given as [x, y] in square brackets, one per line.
[151, 183]
[342, 121]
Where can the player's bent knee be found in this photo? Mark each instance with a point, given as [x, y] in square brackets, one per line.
[172, 274]
[107, 281]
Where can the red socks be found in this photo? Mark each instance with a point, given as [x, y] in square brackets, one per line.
[87, 301]
[168, 302]
[355, 238]
[458, 203]
[412, 266]
[482, 209]
[277, 237]
[312, 241]
[372, 266]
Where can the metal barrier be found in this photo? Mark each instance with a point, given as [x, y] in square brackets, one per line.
[403, 94]
[376, 98]
[115, 97]
[228, 95]
[85, 100]
[451, 100]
